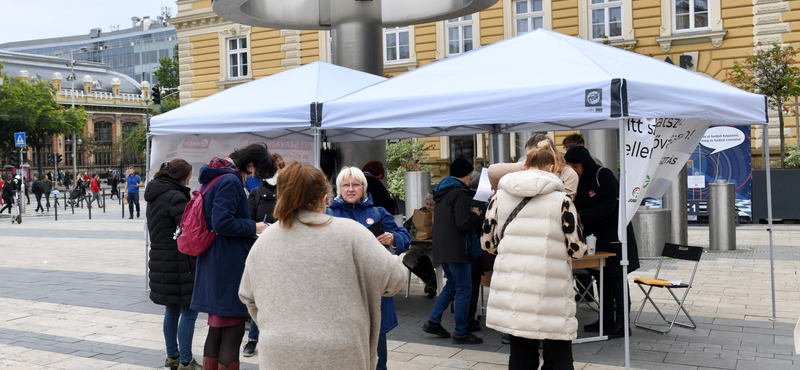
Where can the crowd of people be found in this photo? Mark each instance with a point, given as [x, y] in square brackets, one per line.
[313, 268]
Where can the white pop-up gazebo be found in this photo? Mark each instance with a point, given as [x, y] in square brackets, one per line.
[542, 81]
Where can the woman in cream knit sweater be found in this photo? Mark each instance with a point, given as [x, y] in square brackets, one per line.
[314, 284]
[531, 290]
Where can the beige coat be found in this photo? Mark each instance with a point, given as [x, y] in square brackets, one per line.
[315, 293]
[531, 294]
[567, 175]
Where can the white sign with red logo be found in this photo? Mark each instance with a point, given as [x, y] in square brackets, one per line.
[655, 150]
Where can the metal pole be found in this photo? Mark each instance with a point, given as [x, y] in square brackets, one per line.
[72, 94]
[55, 207]
[765, 148]
[623, 238]
[357, 33]
[104, 200]
[317, 145]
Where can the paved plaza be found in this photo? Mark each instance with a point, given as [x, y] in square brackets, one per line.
[73, 296]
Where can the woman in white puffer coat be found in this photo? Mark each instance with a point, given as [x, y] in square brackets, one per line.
[532, 295]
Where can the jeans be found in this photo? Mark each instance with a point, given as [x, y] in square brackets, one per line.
[253, 333]
[133, 198]
[96, 195]
[47, 197]
[525, 354]
[38, 202]
[458, 288]
[179, 333]
[382, 352]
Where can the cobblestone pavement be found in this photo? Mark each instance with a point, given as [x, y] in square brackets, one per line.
[73, 297]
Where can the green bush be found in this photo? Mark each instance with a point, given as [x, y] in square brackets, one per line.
[792, 158]
[401, 157]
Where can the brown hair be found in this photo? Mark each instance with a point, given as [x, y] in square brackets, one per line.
[576, 139]
[300, 188]
[375, 168]
[279, 163]
[541, 157]
[535, 142]
[176, 169]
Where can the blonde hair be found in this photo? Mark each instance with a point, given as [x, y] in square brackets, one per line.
[351, 173]
[541, 157]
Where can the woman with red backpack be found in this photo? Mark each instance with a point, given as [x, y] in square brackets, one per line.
[220, 268]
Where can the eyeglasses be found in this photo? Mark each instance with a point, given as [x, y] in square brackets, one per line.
[354, 185]
[567, 147]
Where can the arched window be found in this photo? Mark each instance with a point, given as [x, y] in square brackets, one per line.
[102, 142]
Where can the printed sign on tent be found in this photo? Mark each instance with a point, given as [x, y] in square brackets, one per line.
[655, 150]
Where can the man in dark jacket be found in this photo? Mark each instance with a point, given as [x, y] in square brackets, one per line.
[38, 190]
[597, 202]
[453, 219]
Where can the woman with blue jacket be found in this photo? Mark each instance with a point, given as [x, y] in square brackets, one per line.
[355, 203]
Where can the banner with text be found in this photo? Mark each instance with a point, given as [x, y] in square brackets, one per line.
[655, 150]
[199, 149]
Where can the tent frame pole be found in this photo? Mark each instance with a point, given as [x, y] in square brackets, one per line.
[623, 237]
[146, 175]
[765, 150]
[317, 145]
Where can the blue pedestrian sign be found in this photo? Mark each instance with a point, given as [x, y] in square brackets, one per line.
[19, 139]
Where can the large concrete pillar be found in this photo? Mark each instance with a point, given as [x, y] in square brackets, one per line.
[675, 201]
[522, 138]
[604, 145]
[357, 43]
[499, 148]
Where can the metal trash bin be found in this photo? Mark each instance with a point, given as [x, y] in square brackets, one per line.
[721, 216]
[652, 228]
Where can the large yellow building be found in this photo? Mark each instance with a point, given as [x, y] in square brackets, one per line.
[705, 36]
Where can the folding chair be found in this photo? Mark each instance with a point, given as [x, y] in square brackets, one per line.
[675, 251]
[586, 294]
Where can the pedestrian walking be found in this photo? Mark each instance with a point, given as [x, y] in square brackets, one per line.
[67, 180]
[114, 184]
[171, 272]
[27, 189]
[95, 187]
[2, 183]
[219, 269]
[531, 293]
[262, 201]
[47, 182]
[133, 182]
[597, 201]
[355, 202]
[329, 319]
[38, 191]
[7, 193]
[453, 221]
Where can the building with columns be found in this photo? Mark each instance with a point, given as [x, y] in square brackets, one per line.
[704, 36]
[115, 104]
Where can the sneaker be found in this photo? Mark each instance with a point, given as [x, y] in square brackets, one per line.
[192, 365]
[468, 338]
[249, 348]
[618, 332]
[505, 339]
[595, 326]
[435, 329]
[430, 289]
[130, 218]
[172, 363]
[137, 214]
[474, 325]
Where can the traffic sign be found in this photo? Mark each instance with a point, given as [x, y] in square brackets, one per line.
[19, 139]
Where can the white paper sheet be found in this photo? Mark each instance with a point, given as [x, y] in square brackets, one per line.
[484, 187]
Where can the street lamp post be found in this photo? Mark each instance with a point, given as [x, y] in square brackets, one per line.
[72, 93]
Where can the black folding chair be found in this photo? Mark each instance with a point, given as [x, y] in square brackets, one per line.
[585, 293]
[674, 251]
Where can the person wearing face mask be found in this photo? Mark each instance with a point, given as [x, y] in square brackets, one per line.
[220, 268]
[171, 272]
[262, 201]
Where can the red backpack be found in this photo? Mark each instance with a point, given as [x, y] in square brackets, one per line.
[193, 235]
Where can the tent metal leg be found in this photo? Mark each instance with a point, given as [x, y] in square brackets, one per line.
[623, 237]
[765, 150]
[317, 146]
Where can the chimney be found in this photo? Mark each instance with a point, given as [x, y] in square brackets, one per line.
[56, 81]
[135, 21]
[87, 84]
[24, 76]
[115, 86]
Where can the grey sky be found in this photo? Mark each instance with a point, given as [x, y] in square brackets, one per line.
[39, 19]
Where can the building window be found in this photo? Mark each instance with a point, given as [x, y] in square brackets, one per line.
[237, 57]
[690, 15]
[606, 16]
[102, 142]
[396, 44]
[128, 155]
[463, 147]
[459, 35]
[528, 15]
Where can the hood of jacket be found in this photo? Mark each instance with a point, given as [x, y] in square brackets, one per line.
[447, 185]
[207, 173]
[340, 202]
[579, 154]
[531, 183]
[160, 186]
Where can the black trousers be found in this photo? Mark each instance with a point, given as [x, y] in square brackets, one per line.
[613, 296]
[476, 292]
[525, 354]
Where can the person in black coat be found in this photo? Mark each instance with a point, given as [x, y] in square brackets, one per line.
[597, 202]
[8, 195]
[453, 220]
[374, 173]
[171, 272]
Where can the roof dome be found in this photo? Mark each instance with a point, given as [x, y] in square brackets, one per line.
[145, 84]
[57, 76]
[87, 78]
[24, 73]
[115, 81]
